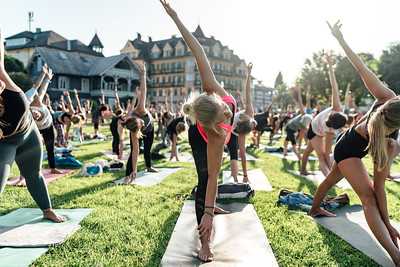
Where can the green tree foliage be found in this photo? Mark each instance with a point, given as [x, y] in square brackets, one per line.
[283, 94]
[278, 80]
[23, 80]
[315, 73]
[389, 67]
[13, 65]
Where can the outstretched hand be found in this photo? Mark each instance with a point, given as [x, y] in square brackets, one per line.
[168, 9]
[141, 65]
[297, 88]
[335, 30]
[250, 67]
[330, 60]
[49, 74]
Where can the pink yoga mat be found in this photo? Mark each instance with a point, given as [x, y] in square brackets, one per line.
[48, 176]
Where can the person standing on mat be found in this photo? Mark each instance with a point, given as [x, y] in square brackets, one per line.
[323, 128]
[98, 114]
[20, 141]
[141, 127]
[212, 115]
[298, 123]
[375, 133]
[244, 124]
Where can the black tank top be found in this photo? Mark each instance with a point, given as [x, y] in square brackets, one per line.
[17, 112]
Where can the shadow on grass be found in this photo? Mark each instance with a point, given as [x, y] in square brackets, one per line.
[163, 239]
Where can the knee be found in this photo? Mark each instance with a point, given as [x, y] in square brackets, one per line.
[368, 198]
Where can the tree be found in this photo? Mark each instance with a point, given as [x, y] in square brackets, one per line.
[278, 80]
[389, 67]
[13, 65]
[23, 80]
[315, 73]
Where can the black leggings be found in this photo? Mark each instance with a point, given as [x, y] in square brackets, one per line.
[147, 139]
[48, 136]
[199, 150]
[115, 141]
[233, 147]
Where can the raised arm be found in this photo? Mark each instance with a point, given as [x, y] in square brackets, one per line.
[346, 98]
[117, 104]
[249, 105]
[299, 100]
[374, 85]
[208, 81]
[71, 109]
[9, 84]
[335, 90]
[140, 109]
[242, 105]
[171, 90]
[102, 99]
[43, 89]
[78, 103]
[41, 77]
[308, 97]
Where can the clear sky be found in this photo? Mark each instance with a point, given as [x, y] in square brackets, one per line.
[274, 35]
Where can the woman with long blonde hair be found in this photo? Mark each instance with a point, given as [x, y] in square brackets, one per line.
[375, 133]
[212, 114]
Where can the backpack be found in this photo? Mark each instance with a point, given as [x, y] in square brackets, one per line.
[89, 169]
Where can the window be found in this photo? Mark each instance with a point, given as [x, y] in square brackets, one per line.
[39, 64]
[189, 77]
[179, 52]
[154, 55]
[190, 62]
[18, 56]
[20, 41]
[133, 54]
[216, 53]
[167, 53]
[63, 82]
[25, 56]
[85, 85]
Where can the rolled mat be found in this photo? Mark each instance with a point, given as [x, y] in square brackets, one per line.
[228, 237]
[257, 179]
[351, 226]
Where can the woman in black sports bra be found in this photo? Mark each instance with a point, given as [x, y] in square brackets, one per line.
[374, 133]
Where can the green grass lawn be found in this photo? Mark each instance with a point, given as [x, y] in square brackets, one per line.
[131, 225]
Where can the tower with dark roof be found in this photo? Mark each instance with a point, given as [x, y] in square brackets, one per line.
[96, 44]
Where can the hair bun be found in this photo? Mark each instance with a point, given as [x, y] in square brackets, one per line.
[188, 109]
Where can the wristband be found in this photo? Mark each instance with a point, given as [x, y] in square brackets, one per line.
[209, 213]
[209, 207]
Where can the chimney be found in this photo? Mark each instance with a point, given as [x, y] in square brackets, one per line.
[150, 39]
[139, 36]
[38, 30]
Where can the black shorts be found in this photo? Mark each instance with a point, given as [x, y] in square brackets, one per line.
[290, 135]
[310, 133]
[350, 144]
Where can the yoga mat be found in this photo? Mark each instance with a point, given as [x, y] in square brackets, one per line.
[238, 239]
[72, 148]
[397, 179]
[25, 256]
[145, 178]
[183, 157]
[48, 176]
[290, 156]
[318, 177]
[248, 157]
[351, 226]
[257, 179]
[125, 155]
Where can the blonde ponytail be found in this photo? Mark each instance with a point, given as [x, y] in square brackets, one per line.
[383, 122]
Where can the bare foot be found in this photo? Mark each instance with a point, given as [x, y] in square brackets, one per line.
[205, 253]
[151, 169]
[50, 214]
[218, 210]
[392, 177]
[320, 212]
[56, 171]
[21, 181]
[306, 173]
